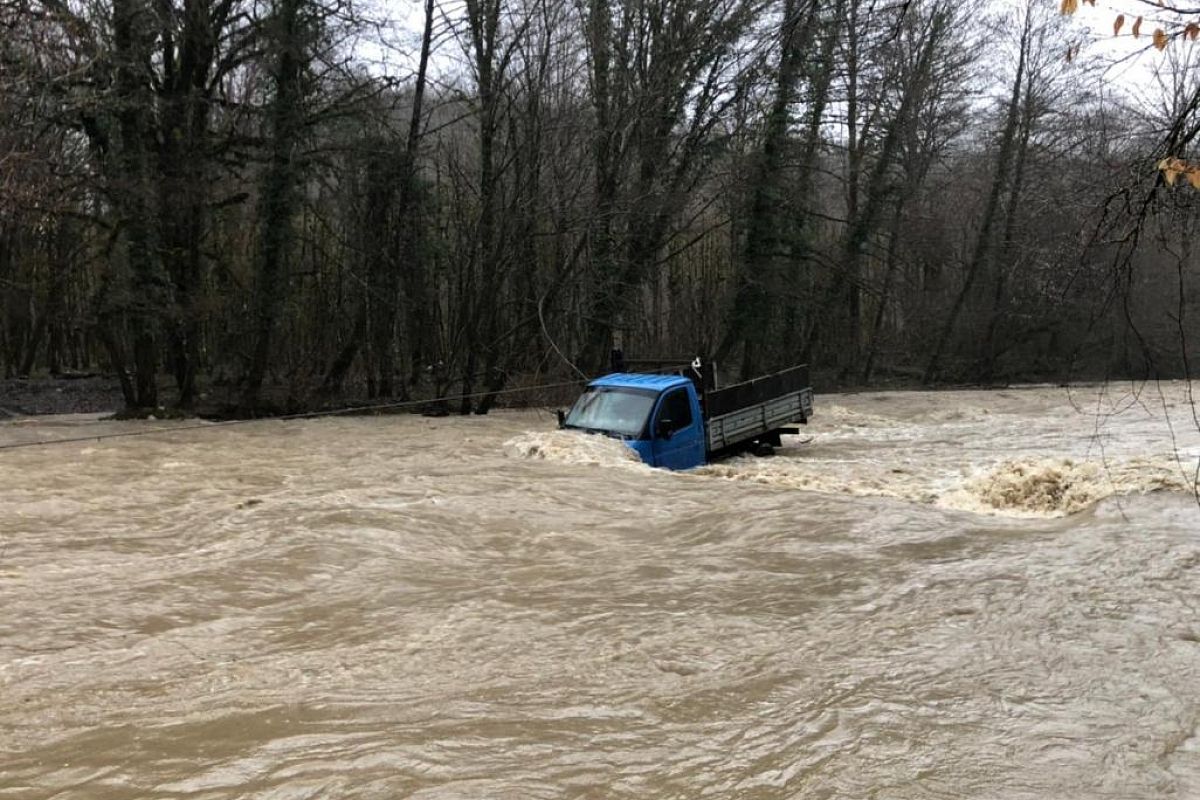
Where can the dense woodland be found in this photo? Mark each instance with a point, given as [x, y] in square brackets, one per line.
[289, 203]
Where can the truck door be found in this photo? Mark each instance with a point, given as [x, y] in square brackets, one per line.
[678, 434]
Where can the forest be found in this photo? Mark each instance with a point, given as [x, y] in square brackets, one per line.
[279, 205]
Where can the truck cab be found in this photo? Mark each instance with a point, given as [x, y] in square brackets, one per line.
[659, 416]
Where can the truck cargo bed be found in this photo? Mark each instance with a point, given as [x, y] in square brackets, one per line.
[746, 411]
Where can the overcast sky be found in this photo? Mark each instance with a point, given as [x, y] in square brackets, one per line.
[1120, 63]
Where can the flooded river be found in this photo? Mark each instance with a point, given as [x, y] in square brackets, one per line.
[926, 595]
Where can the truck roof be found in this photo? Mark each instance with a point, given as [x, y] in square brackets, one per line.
[639, 380]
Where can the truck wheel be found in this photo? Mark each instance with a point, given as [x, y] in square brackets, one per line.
[763, 449]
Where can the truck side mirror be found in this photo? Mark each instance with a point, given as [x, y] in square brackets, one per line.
[562, 417]
[663, 429]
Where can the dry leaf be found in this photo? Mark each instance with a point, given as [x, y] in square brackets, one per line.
[1117, 24]
[1172, 168]
[1137, 27]
[1160, 38]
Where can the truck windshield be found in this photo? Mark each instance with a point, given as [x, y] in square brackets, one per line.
[620, 411]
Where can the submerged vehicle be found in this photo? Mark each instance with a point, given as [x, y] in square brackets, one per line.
[680, 419]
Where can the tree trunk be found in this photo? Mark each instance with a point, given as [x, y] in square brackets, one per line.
[131, 46]
[885, 294]
[116, 359]
[750, 319]
[279, 189]
[999, 179]
[880, 186]
[184, 97]
[336, 376]
[1006, 261]
[606, 154]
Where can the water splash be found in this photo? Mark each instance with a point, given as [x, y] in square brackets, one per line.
[572, 447]
[1056, 487]
[1048, 487]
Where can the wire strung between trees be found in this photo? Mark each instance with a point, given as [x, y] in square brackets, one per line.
[284, 418]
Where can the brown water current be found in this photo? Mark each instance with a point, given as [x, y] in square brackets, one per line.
[926, 595]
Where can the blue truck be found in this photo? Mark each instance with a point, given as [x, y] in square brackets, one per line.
[680, 419]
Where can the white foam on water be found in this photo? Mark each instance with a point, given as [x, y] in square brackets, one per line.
[838, 416]
[1056, 487]
[1033, 487]
[856, 480]
[572, 447]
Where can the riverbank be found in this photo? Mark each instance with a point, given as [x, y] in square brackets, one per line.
[85, 394]
[101, 394]
[97, 394]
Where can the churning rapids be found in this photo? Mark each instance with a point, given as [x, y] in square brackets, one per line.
[926, 595]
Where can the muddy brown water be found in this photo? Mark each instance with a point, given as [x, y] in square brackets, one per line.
[927, 595]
